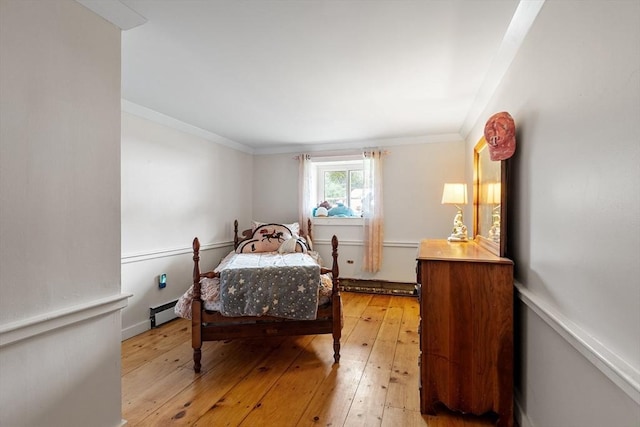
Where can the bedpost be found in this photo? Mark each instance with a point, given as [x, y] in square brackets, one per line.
[235, 234]
[309, 232]
[196, 268]
[335, 271]
[336, 300]
[196, 309]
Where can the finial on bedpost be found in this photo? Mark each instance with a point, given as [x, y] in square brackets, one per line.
[196, 268]
[235, 234]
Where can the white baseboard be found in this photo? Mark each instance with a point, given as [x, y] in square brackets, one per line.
[136, 329]
[520, 415]
[145, 325]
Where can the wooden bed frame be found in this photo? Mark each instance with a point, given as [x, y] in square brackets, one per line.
[213, 326]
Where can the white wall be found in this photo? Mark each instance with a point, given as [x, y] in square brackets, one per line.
[574, 92]
[175, 186]
[413, 179]
[59, 216]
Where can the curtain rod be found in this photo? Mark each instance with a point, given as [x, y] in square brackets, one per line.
[349, 153]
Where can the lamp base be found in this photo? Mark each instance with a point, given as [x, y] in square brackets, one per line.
[459, 233]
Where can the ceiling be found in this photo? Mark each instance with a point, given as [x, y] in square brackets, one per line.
[273, 76]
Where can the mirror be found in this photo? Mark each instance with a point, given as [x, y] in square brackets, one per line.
[489, 200]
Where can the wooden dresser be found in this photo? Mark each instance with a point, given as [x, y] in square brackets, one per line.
[466, 329]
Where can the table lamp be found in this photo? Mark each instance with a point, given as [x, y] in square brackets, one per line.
[456, 194]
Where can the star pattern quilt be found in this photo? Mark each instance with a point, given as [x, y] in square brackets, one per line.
[269, 284]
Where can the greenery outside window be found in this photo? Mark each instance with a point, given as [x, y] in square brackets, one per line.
[341, 183]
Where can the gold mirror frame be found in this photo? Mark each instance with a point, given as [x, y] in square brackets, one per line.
[489, 216]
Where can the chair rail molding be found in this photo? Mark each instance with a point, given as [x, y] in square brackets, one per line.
[40, 324]
[609, 363]
[144, 256]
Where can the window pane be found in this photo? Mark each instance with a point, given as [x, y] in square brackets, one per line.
[335, 187]
[355, 192]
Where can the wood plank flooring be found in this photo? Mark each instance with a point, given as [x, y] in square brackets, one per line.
[289, 381]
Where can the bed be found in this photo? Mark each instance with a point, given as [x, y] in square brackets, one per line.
[271, 284]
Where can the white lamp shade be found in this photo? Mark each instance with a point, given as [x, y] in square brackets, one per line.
[493, 193]
[454, 194]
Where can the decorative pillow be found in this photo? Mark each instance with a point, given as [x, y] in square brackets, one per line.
[288, 246]
[340, 210]
[301, 245]
[294, 227]
[293, 245]
[322, 211]
[265, 238]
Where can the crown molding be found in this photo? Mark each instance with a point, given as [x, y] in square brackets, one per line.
[116, 12]
[517, 31]
[163, 119]
[360, 144]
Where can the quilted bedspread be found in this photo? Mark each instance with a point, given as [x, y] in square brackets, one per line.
[269, 284]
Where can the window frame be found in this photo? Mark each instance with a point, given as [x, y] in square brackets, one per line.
[348, 164]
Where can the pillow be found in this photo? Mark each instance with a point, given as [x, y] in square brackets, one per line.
[293, 245]
[265, 238]
[294, 227]
[288, 246]
[340, 210]
[301, 245]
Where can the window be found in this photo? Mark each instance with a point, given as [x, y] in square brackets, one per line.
[341, 183]
[355, 182]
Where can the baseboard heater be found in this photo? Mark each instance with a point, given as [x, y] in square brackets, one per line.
[378, 287]
[158, 309]
[349, 285]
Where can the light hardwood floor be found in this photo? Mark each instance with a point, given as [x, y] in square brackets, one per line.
[288, 381]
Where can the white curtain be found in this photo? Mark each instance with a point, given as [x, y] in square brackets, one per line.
[304, 192]
[372, 211]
